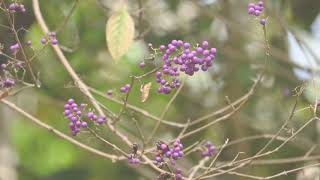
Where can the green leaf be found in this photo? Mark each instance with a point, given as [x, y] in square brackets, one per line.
[119, 33]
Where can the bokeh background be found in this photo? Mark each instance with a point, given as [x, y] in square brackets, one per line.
[293, 29]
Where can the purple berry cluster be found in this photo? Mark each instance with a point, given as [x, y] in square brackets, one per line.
[180, 56]
[178, 174]
[126, 88]
[93, 117]
[17, 65]
[256, 9]
[7, 83]
[15, 48]
[172, 153]
[133, 159]
[52, 37]
[17, 7]
[210, 150]
[79, 117]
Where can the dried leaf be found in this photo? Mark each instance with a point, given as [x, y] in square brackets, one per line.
[119, 32]
[145, 89]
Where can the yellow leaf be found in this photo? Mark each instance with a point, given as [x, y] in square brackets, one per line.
[119, 32]
[145, 89]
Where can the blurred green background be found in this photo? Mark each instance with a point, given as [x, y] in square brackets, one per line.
[239, 39]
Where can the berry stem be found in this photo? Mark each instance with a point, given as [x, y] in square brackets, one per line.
[156, 127]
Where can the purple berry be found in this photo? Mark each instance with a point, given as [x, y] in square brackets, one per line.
[84, 124]
[43, 40]
[127, 86]
[186, 45]
[12, 6]
[67, 112]
[123, 90]
[100, 121]
[206, 53]
[205, 44]
[158, 74]
[90, 115]
[110, 92]
[263, 22]
[178, 177]
[260, 3]
[257, 12]
[82, 105]
[52, 34]
[142, 65]
[29, 43]
[3, 66]
[251, 10]
[158, 159]
[164, 146]
[54, 42]
[162, 47]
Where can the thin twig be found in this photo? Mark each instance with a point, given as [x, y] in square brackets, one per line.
[218, 154]
[164, 112]
[196, 168]
[137, 109]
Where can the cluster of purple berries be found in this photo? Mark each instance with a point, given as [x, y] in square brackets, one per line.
[14, 48]
[17, 7]
[73, 112]
[94, 117]
[52, 38]
[125, 88]
[172, 153]
[133, 159]
[17, 65]
[256, 10]
[178, 57]
[77, 115]
[178, 174]
[7, 83]
[210, 149]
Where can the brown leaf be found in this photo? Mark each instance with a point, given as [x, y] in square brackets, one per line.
[145, 89]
